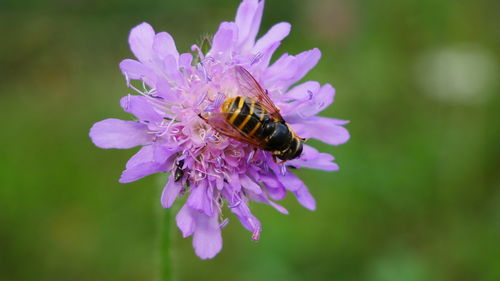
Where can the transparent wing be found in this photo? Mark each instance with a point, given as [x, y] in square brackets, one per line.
[249, 87]
[218, 121]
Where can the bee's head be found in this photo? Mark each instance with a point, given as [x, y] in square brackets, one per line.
[293, 151]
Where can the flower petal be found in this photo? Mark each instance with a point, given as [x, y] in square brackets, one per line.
[316, 102]
[163, 150]
[275, 34]
[224, 39]
[185, 221]
[140, 107]
[313, 159]
[282, 69]
[305, 61]
[322, 128]
[170, 192]
[245, 216]
[185, 60]
[134, 70]
[292, 183]
[145, 154]
[302, 91]
[207, 238]
[141, 41]
[248, 18]
[164, 90]
[164, 45]
[116, 133]
[266, 54]
[171, 69]
[249, 184]
[200, 199]
[305, 198]
[289, 69]
[274, 187]
[262, 197]
[141, 170]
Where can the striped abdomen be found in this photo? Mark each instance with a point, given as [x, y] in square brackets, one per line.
[246, 115]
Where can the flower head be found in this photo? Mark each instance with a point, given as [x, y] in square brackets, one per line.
[215, 172]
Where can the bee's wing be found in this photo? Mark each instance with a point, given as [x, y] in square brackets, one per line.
[218, 121]
[249, 87]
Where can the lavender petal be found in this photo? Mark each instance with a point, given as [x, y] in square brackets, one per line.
[277, 33]
[116, 133]
[170, 192]
[207, 238]
[323, 129]
[141, 41]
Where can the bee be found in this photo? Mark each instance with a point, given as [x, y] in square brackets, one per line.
[250, 116]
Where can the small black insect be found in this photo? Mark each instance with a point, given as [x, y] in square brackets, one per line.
[179, 173]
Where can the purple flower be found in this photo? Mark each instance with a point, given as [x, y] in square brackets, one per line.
[211, 170]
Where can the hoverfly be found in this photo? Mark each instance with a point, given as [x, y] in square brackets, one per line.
[250, 116]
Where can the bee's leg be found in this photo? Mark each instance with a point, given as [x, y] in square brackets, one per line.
[278, 162]
[204, 119]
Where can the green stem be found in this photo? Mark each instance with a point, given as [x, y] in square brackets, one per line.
[165, 245]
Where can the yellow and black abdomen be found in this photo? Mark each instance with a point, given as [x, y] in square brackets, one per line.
[247, 116]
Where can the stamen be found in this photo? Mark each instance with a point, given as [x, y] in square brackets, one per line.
[209, 58]
[310, 94]
[202, 99]
[197, 49]
[131, 86]
[283, 169]
[219, 99]
[234, 205]
[168, 126]
[224, 223]
[127, 80]
[256, 234]
[256, 58]
[205, 173]
[127, 103]
[216, 104]
[144, 87]
[219, 161]
[211, 138]
[205, 73]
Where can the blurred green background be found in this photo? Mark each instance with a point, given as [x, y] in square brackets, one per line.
[417, 196]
